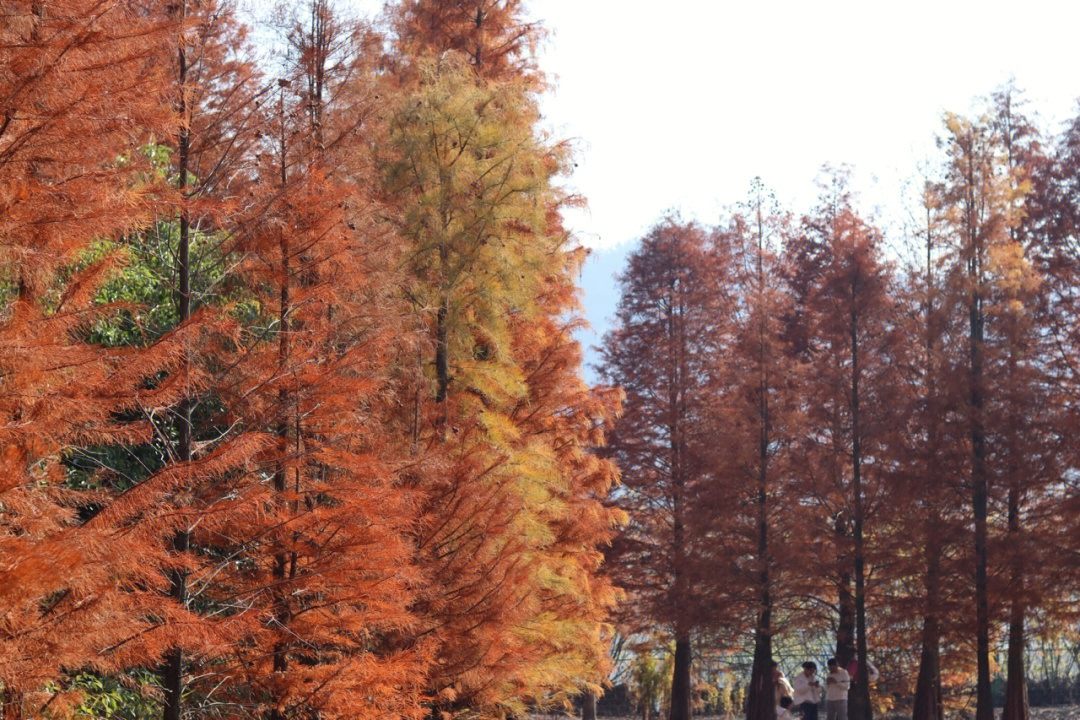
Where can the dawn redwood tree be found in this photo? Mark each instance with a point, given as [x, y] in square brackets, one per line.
[661, 352]
[930, 464]
[850, 384]
[566, 421]
[1053, 225]
[1023, 411]
[973, 189]
[981, 196]
[473, 183]
[325, 533]
[80, 92]
[215, 92]
[757, 412]
[495, 36]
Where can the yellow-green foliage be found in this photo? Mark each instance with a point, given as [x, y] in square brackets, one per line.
[477, 186]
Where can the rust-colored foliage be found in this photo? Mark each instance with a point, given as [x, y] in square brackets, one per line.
[847, 314]
[323, 534]
[80, 90]
[494, 35]
[662, 352]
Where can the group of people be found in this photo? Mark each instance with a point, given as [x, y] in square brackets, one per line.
[804, 694]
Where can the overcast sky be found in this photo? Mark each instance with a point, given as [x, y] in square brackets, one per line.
[679, 104]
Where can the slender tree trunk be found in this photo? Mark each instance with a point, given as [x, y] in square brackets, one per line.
[761, 695]
[861, 707]
[928, 704]
[761, 701]
[676, 326]
[172, 675]
[588, 706]
[1016, 700]
[281, 558]
[984, 707]
[845, 625]
[442, 359]
[928, 701]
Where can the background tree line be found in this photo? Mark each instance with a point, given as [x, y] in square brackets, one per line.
[834, 442]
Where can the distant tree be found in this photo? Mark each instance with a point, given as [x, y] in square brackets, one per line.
[850, 388]
[661, 353]
[756, 410]
[929, 466]
[990, 281]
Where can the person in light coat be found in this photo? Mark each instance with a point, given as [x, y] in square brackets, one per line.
[781, 687]
[837, 683]
[807, 688]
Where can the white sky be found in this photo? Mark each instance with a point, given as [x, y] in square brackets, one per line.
[679, 104]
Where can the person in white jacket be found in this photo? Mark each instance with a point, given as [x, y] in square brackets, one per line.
[837, 683]
[781, 687]
[807, 691]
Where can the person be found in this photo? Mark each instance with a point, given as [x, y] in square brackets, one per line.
[783, 710]
[853, 670]
[807, 693]
[837, 683]
[781, 687]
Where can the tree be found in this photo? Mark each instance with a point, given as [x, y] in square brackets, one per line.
[214, 92]
[567, 421]
[928, 468]
[661, 353]
[850, 383]
[488, 270]
[756, 409]
[973, 189]
[323, 534]
[494, 35]
[79, 90]
[990, 281]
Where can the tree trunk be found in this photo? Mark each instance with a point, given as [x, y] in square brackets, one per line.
[984, 706]
[861, 709]
[1016, 700]
[172, 675]
[845, 625]
[761, 695]
[588, 706]
[761, 698]
[282, 608]
[860, 705]
[928, 701]
[680, 679]
[442, 354]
